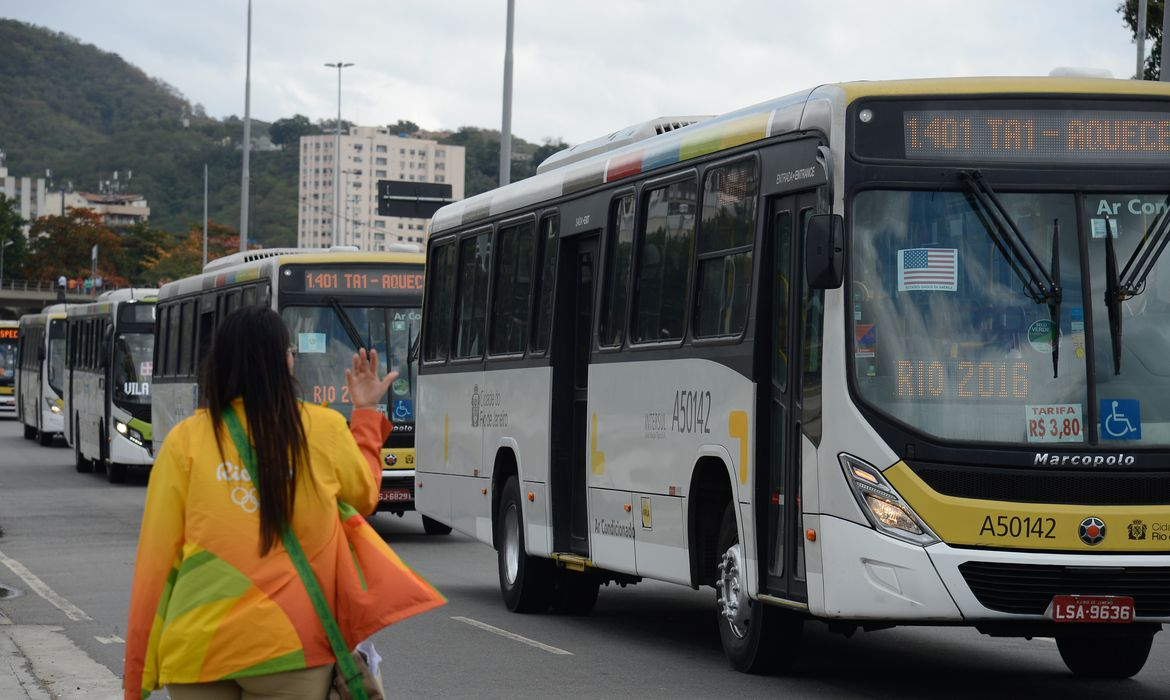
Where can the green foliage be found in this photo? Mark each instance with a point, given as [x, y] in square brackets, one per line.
[288, 132]
[62, 245]
[1154, 11]
[403, 127]
[15, 246]
[483, 157]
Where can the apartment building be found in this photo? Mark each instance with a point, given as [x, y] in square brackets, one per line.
[368, 154]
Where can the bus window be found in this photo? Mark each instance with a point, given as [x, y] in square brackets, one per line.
[249, 296]
[187, 339]
[57, 355]
[440, 302]
[172, 358]
[469, 314]
[549, 242]
[664, 263]
[725, 249]
[513, 289]
[617, 272]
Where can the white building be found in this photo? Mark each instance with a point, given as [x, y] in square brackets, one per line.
[28, 192]
[116, 208]
[368, 154]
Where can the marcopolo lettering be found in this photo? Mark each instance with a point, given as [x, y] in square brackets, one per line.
[1061, 460]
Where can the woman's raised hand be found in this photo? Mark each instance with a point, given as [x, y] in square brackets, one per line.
[365, 389]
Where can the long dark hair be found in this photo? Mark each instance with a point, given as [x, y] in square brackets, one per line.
[248, 359]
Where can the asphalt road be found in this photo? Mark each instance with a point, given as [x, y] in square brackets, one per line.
[76, 533]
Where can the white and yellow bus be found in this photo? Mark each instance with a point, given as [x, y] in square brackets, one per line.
[110, 361]
[9, 338]
[332, 301]
[40, 374]
[873, 354]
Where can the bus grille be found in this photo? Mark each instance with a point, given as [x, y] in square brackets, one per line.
[1027, 589]
[1029, 486]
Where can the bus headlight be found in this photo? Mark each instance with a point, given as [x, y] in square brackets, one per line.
[882, 505]
[131, 434]
[52, 404]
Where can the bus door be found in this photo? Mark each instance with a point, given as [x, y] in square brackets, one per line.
[571, 348]
[780, 427]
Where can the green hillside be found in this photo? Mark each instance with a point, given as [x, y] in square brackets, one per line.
[85, 113]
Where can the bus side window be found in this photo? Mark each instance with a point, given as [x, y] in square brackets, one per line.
[160, 341]
[172, 357]
[472, 289]
[440, 302]
[232, 301]
[664, 262]
[549, 243]
[206, 330]
[249, 295]
[187, 339]
[513, 289]
[726, 235]
[617, 272]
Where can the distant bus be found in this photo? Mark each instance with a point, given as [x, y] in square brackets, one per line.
[40, 374]
[107, 390]
[9, 337]
[873, 354]
[332, 301]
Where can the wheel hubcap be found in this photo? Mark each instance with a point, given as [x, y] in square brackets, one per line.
[731, 596]
[511, 544]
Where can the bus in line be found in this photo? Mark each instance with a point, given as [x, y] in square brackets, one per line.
[107, 390]
[9, 338]
[873, 354]
[40, 374]
[333, 301]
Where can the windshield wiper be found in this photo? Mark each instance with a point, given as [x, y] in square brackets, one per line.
[1040, 285]
[1132, 280]
[347, 324]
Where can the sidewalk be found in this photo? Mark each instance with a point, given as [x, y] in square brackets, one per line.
[38, 662]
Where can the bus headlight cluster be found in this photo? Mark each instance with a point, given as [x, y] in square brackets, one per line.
[882, 505]
[131, 434]
[52, 404]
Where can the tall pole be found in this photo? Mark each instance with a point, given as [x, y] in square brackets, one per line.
[337, 157]
[1165, 28]
[1141, 40]
[205, 215]
[244, 186]
[506, 127]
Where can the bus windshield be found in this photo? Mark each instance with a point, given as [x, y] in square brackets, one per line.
[56, 356]
[7, 363]
[946, 340]
[133, 367]
[323, 350]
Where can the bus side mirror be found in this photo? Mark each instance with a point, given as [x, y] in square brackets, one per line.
[824, 251]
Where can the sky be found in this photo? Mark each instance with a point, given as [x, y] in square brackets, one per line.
[582, 69]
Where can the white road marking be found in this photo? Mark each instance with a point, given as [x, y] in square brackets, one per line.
[42, 589]
[61, 667]
[513, 636]
[112, 639]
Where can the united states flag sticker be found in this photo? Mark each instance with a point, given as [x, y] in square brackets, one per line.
[928, 269]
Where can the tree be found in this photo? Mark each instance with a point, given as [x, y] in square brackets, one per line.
[140, 244]
[184, 257]
[288, 132]
[11, 237]
[62, 245]
[403, 127]
[1154, 13]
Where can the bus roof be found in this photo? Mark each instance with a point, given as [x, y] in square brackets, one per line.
[257, 264]
[107, 302]
[809, 110]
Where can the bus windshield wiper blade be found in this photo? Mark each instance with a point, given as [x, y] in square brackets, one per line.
[1113, 296]
[1054, 303]
[347, 324]
[1132, 280]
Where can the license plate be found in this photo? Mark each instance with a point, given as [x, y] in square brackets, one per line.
[395, 495]
[1092, 608]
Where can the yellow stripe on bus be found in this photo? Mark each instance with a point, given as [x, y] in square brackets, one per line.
[1034, 526]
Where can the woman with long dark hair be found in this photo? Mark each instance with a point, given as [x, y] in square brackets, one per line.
[218, 609]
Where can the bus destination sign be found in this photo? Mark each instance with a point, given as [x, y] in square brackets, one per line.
[9, 334]
[1037, 135]
[349, 279]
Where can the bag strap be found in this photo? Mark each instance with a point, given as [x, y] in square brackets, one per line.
[349, 669]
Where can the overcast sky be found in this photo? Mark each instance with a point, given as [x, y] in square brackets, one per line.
[581, 69]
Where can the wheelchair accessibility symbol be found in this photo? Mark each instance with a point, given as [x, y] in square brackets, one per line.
[1121, 419]
[403, 410]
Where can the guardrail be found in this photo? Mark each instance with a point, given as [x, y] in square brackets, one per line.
[44, 287]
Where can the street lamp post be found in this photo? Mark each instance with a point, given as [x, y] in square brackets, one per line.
[337, 155]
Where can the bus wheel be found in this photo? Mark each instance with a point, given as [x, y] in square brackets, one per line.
[575, 593]
[757, 638]
[45, 438]
[434, 527]
[30, 433]
[526, 582]
[115, 473]
[83, 464]
[1105, 657]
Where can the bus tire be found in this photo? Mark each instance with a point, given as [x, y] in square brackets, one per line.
[434, 527]
[756, 638]
[45, 438]
[83, 465]
[575, 593]
[1105, 657]
[526, 582]
[30, 433]
[115, 473]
